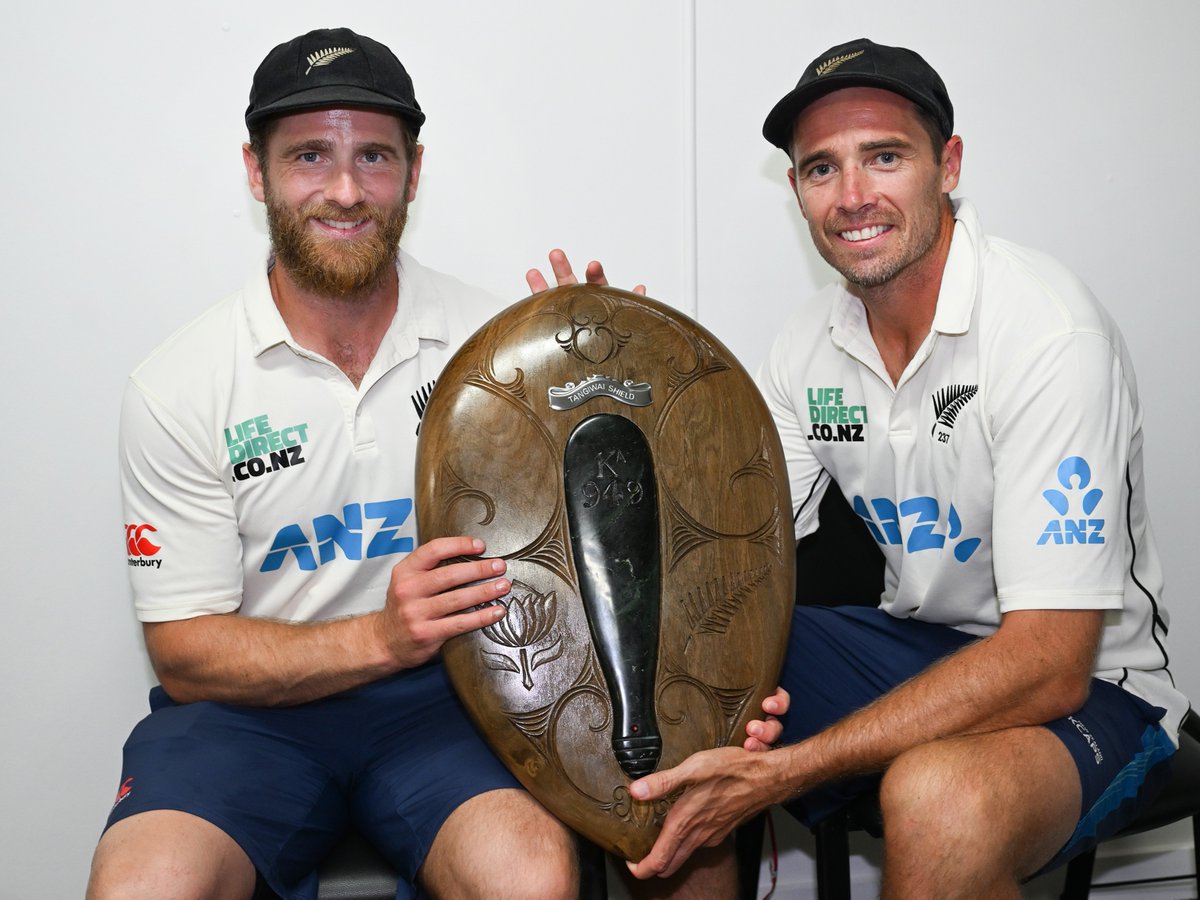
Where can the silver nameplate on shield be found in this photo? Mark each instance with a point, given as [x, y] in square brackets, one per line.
[573, 395]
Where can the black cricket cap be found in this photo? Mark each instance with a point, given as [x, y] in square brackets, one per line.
[862, 63]
[332, 67]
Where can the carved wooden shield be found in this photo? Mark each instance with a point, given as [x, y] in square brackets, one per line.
[623, 463]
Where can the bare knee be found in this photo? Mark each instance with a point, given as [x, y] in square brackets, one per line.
[506, 833]
[926, 795]
[709, 874]
[549, 866]
[168, 855]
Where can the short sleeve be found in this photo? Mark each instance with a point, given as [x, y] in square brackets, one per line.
[807, 477]
[181, 532]
[1062, 430]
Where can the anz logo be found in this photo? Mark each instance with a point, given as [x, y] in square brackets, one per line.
[331, 534]
[926, 532]
[1074, 475]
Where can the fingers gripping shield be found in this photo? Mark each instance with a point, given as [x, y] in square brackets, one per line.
[622, 462]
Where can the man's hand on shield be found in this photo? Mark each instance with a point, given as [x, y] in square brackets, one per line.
[564, 275]
[725, 787]
[721, 789]
[428, 603]
[761, 734]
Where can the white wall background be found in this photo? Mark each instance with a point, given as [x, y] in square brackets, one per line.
[625, 130]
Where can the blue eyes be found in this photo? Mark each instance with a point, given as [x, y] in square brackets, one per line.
[314, 156]
[887, 158]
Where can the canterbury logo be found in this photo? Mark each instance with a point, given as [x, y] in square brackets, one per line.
[949, 401]
[325, 57]
[830, 64]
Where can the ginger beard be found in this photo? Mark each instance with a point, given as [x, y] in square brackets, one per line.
[334, 267]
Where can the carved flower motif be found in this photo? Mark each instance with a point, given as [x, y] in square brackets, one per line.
[530, 618]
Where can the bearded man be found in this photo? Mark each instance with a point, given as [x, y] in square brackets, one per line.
[267, 462]
[293, 622]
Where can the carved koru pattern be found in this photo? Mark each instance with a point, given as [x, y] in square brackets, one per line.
[549, 549]
[530, 620]
[685, 534]
[639, 812]
[489, 382]
[513, 392]
[593, 337]
[711, 606]
[759, 464]
[457, 489]
[678, 380]
[537, 724]
[725, 704]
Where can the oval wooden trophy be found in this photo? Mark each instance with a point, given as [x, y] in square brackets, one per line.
[623, 463]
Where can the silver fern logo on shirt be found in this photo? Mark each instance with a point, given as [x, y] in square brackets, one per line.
[420, 400]
[947, 404]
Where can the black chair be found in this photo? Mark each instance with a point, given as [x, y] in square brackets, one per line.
[1180, 799]
[841, 564]
[355, 870]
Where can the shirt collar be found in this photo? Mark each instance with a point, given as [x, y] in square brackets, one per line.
[960, 277]
[420, 313]
[956, 296]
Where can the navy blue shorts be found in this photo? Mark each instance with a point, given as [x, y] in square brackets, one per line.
[842, 658]
[395, 758]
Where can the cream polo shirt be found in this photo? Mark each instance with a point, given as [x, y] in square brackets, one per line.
[1003, 471]
[257, 478]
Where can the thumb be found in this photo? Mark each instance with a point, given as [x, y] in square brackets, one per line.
[654, 786]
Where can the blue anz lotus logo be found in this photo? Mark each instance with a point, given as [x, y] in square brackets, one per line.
[1074, 476]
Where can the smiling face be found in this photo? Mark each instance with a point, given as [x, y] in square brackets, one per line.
[336, 184]
[869, 185]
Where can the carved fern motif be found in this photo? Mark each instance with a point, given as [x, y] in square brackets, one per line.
[710, 607]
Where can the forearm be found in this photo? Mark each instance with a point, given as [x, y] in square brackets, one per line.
[260, 662]
[1019, 676]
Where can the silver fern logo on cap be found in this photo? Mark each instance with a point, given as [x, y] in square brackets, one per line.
[325, 57]
[830, 64]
